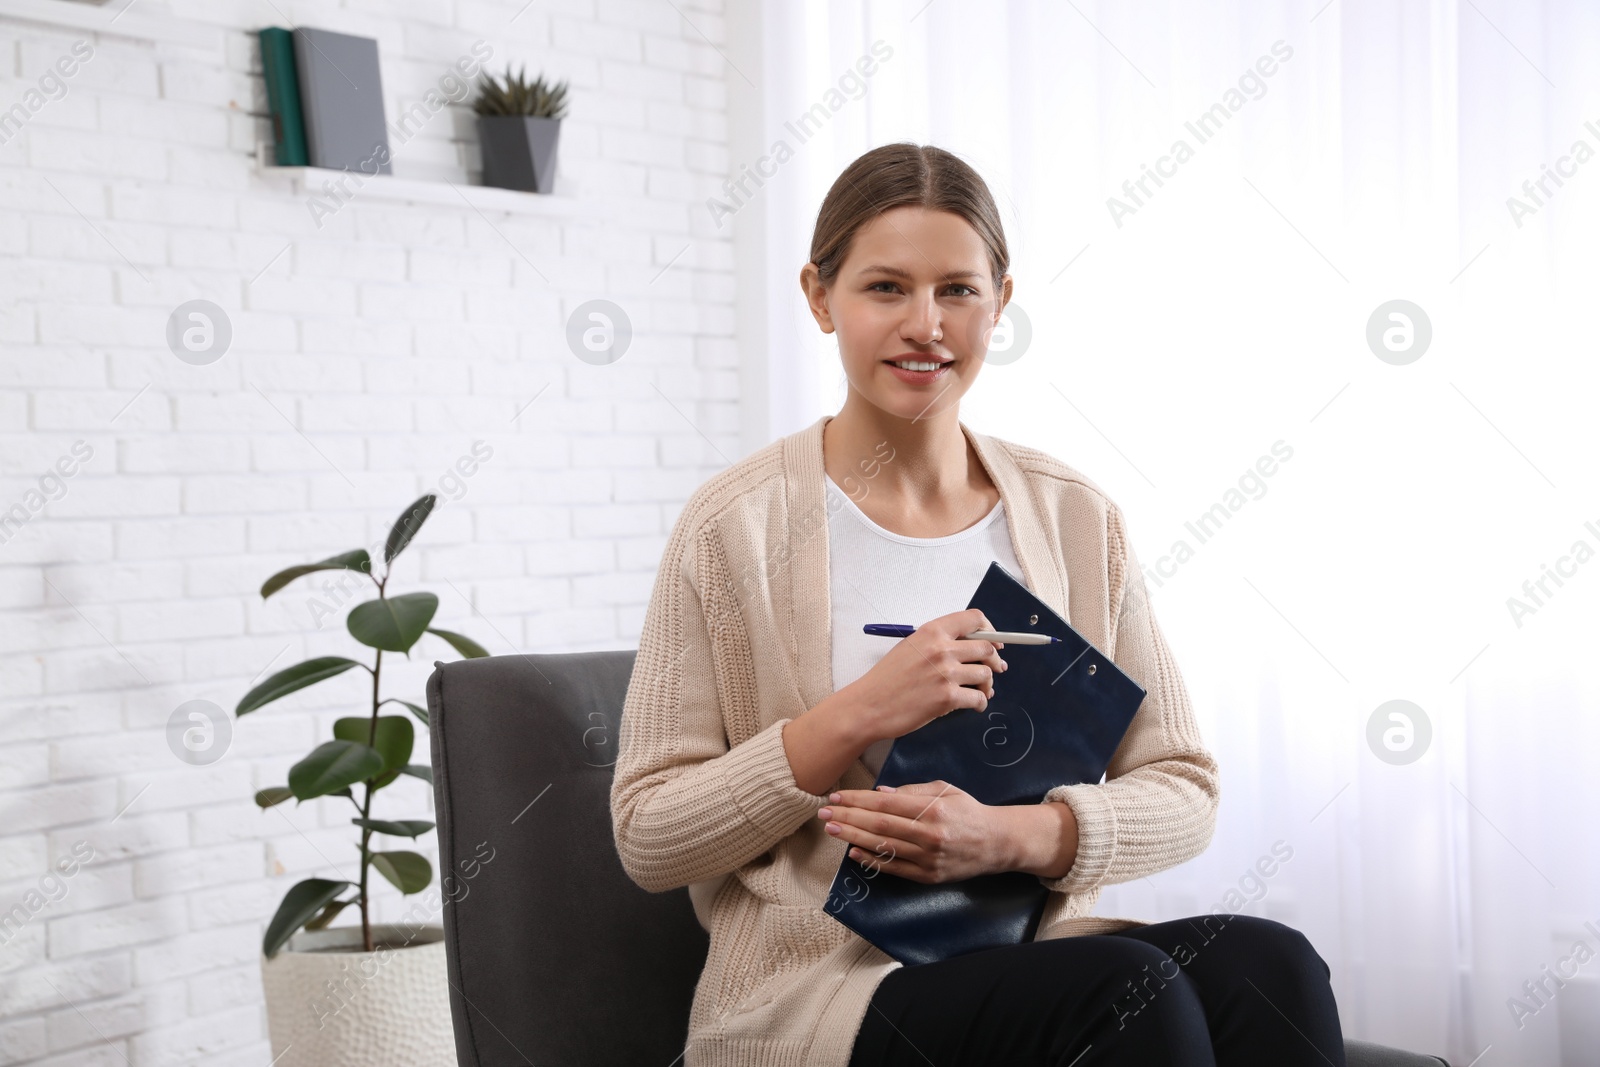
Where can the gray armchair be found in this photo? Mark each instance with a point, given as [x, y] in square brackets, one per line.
[545, 934]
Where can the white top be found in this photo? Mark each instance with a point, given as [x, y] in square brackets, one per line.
[879, 576]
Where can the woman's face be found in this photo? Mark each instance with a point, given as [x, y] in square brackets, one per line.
[916, 285]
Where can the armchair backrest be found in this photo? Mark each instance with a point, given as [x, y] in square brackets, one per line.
[555, 956]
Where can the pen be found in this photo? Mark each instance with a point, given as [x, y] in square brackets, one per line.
[1009, 637]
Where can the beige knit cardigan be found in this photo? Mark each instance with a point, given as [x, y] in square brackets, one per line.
[736, 643]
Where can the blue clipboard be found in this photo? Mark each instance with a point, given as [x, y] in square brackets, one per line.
[1057, 716]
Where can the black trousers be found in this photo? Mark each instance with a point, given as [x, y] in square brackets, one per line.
[1207, 991]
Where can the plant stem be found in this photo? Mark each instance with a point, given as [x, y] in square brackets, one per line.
[366, 800]
[366, 809]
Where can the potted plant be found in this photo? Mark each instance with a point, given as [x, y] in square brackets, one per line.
[518, 127]
[367, 994]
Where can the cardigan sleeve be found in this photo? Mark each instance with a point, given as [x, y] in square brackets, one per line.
[1158, 805]
[685, 806]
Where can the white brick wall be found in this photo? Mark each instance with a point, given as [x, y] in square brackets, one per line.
[367, 357]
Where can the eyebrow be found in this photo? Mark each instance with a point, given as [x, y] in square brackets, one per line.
[896, 272]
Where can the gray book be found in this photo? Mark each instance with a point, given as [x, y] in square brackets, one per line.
[341, 94]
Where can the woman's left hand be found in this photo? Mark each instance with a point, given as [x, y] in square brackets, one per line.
[928, 832]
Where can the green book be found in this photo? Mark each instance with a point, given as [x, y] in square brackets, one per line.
[283, 98]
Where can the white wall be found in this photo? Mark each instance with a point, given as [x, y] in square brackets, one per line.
[1172, 349]
[368, 355]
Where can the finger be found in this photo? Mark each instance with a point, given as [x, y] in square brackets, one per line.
[972, 649]
[887, 864]
[908, 823]
[911, 804]
[965, 696]
[987, 625]
[974, 678]
[858, 798]
[958, 624]
[907, 803]
[879, 846]
[920, 787]
[979, 674]
[854, 835]
[881, 826]
[938, 786]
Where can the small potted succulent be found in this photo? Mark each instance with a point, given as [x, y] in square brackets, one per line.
[519, 123]
[367, 994]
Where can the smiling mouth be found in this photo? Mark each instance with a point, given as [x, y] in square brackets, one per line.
[919, 364]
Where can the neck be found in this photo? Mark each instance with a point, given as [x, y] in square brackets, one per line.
[914, 459]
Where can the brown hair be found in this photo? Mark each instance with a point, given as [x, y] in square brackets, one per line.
[894, 175]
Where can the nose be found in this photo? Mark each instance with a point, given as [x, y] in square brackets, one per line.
[922, 324]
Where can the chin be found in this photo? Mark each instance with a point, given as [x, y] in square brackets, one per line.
[910, 404]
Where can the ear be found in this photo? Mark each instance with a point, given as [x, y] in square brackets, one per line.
[816, 295]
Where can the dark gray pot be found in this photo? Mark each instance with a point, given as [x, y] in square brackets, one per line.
[519, 151]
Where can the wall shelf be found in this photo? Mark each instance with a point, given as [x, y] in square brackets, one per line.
[312, 181]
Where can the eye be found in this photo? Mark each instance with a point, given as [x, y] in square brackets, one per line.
[957, 289]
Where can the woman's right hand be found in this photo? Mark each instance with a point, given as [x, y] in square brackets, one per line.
[926, 675]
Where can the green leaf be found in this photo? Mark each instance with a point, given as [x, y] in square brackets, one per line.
[518, 96]
[419, 770]
[354, 560]
[406, 527]
[329, 913]
[266, 798]
[394, 741]
[333, 765]
[420, 713]
[287, 681]
[461, 643]
[299, 905]
[401, 828]
[392, 623]
[409, 872]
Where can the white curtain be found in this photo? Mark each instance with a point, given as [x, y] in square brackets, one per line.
[1223, 322]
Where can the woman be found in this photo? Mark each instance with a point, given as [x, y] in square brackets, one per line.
[758, 713]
